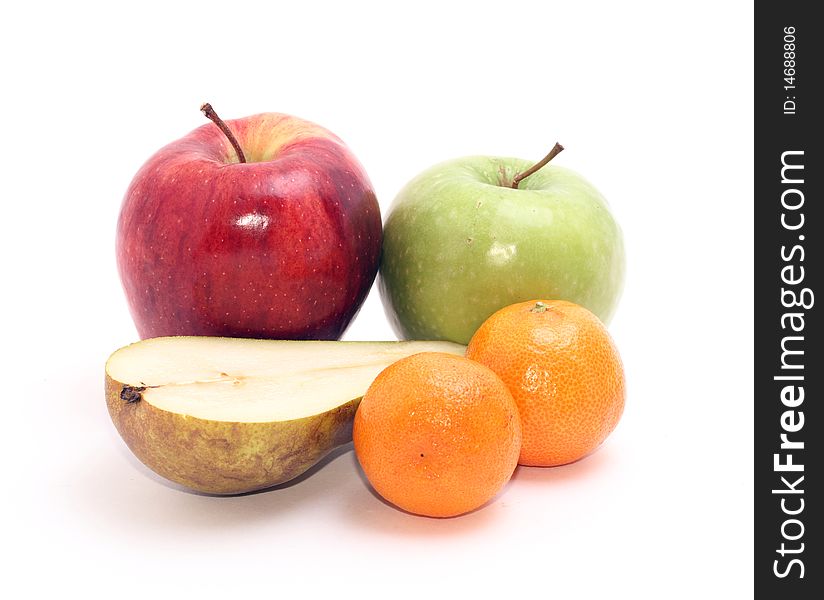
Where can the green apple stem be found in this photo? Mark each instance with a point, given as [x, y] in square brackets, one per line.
[556, 149]
[212, 115]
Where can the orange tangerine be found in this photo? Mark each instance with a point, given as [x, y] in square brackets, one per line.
[563, 370]
[437, 434]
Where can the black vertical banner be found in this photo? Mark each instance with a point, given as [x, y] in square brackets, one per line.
[789, 365]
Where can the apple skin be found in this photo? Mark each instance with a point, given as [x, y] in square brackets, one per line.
[460, 244]
[284, 246]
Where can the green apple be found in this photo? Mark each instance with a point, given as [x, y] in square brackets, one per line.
[472, 235]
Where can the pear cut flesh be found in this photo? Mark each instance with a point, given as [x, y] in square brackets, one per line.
[232, 415]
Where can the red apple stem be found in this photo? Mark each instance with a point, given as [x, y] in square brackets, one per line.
[556, 150]
[212, 116]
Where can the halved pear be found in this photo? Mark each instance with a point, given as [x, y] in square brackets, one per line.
[230, 415]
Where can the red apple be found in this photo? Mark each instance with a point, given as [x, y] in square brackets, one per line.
[285, 245]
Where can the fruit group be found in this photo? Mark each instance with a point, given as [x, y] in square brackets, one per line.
[227, 416]
[564, 372]
[460, 243]
[285, 245]
[437, 434]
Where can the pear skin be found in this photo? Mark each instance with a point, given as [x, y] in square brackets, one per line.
[216, 457]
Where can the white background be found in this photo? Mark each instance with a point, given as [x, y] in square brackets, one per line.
[654, 106]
